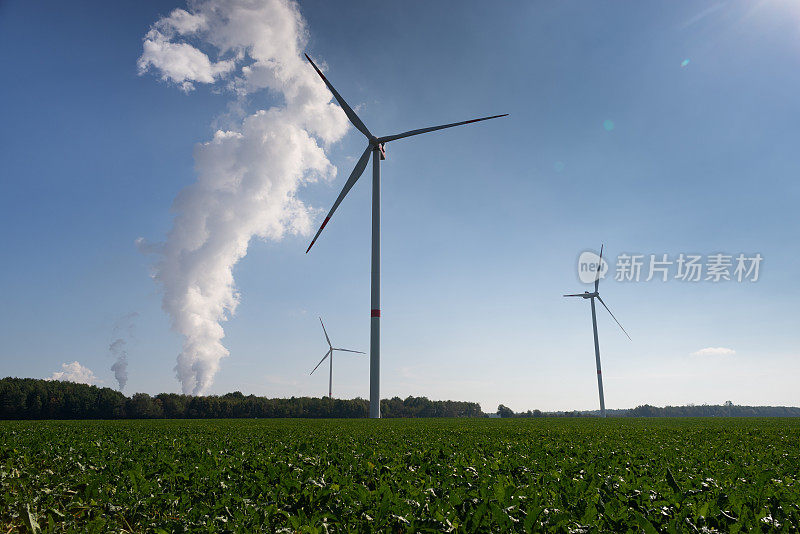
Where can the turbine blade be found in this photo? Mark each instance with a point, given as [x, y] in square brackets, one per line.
[348, 350]
[434, 128]
[322, 360]
[575, 295]
[612, 315]
[354, 176]
[599, 268]
[326, 332]
[345, 107]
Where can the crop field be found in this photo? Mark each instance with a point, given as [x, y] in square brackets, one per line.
[459, 475]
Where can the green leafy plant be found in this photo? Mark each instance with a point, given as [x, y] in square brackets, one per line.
[431, 475]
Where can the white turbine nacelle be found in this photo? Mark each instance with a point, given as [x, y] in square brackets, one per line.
[375, 143]
[376, 147]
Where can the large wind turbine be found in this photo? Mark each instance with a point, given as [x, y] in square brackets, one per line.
[376, 147]
[591, 297]
[330, 354]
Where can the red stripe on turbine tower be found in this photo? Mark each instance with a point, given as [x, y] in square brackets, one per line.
[375, 313]
[598, 371]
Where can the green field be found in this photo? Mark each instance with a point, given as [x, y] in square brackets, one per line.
[565, 475]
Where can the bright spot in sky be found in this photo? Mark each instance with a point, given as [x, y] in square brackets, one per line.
[608, 124]
[684, 62]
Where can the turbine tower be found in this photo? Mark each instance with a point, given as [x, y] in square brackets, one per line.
[591, 297]
[330, 353]
[376, 147]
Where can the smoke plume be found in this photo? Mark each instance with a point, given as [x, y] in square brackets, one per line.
[120, 365]
[248, 175]
[123, 328]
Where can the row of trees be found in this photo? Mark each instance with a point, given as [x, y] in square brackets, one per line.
[505, 411]
[724, 410]
[27, 398]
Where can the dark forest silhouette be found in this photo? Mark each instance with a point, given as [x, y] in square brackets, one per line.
[29, 398]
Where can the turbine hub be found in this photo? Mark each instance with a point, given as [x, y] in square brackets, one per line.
[374, 143]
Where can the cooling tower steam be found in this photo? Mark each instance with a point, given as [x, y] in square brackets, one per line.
[120, 365]
[123, 331]
[248, 175]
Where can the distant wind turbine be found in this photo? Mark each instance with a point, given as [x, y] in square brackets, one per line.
[330, 354]
[376, 146]
[591, 297]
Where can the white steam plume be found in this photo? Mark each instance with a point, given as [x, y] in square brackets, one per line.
[248, 176]
[120, 365]
[123, 328]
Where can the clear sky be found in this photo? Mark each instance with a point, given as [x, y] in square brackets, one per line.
[652, 127]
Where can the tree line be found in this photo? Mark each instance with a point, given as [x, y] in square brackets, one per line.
[705, 410]
[28, 398]
[725, 410]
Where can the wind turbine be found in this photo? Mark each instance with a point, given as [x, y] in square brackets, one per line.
[591, 297]
[376, 147]
[330, 353]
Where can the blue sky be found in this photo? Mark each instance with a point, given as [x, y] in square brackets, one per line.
[482, 225]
